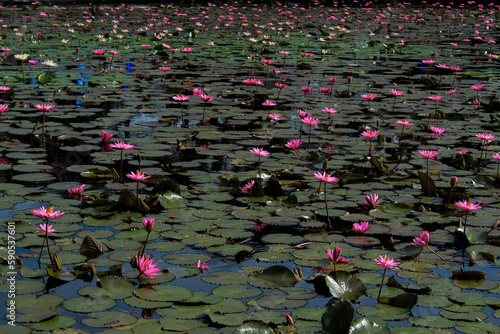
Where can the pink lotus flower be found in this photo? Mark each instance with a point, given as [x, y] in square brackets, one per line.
[370, 134]
[369, 96]
[247, 187]
[269, 103]
[462, 152]
[202, 266]
[4, 88]
[114, 52]
[396, 93]
[276, 117]
[387, 262]
[99, 52]
[467, 206]
[332, 80]
[303, 114]
[121, 145]
[197, 91]
[486, 137]
[428, 154]
[149, 224]
[164, 69]
[48, 213]
[146, 266]
[295, 143]
[206, 98]
[268, 62]
[280, 85]
[253, 81]
[33, 62]
[106, 136]
[452, 91]
[371, 201]
[260, 152]
[289, 319]
[437, 131]
[334, 255]
[77, 192]
[477, 87]
[306, 90]
[428, 62]
[46, 228]
[422, 240]
[329, 110]
[404, 122]
[3, 108]
[310, 121]
[180, 97]
[138, 176]
[44, 107]
[361, 227]
[187, 50]
[326, 177]
[325, 90]
[435, 97]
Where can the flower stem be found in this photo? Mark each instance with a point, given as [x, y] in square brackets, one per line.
[145, 244]
[327, 214]
[439, 256]
[381, 285]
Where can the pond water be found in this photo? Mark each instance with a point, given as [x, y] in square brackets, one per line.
[265, 245]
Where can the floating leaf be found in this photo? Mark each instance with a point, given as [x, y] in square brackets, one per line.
[164, 293]
[343, 285]
[91, 247]
[274, 277]
[109, 319]
[254, 327]
[34, 314]
[88, 305]
[337, 318]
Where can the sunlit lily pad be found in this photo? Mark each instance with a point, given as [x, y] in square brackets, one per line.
[55, 323]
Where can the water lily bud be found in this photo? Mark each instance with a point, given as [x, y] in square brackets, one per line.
[325, 164]
[453, 181]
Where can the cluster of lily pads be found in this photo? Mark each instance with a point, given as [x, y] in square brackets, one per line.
[273, 164]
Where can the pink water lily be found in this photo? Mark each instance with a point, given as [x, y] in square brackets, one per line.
[385, 262]
[202, 266]
[146, 266]
[361, 227]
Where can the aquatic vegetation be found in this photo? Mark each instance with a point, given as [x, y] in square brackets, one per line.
[263, 224]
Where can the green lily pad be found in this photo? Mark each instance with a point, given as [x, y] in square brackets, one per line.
[337, 318]
[226, 278]
[432, 321]
[111, 286]
[88, 305]
[273, 277]
[236, 291]
[55, 323]
[343, 285]
[43, 301]
[109, 319]
[34, 314]
[164, 293]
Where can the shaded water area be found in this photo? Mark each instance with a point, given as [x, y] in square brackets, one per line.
[401, 99]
